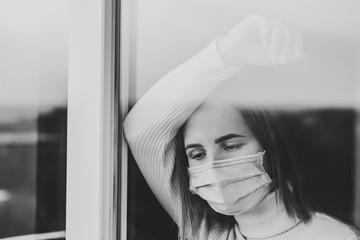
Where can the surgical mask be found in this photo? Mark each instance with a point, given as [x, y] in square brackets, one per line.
[231, 186]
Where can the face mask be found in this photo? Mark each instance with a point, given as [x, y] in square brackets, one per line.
[231, 186]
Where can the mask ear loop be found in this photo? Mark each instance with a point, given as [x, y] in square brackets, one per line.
[261, 167]
[261, 161]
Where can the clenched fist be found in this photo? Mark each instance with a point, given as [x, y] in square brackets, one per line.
[261, 41]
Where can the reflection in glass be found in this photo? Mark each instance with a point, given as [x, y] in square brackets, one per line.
[33, 113]
[314, 99]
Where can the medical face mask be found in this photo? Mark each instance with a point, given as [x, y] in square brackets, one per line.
[231, 186]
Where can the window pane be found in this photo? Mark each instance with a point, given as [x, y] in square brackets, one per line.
[33, 113]
[317, 100]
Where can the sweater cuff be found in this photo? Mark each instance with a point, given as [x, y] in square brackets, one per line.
[216, 40]
[211, 56]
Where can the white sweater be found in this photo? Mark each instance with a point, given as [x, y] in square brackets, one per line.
[154, 121]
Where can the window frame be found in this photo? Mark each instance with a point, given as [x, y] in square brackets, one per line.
[96, 165]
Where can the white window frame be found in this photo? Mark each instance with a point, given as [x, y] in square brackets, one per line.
[96, 179]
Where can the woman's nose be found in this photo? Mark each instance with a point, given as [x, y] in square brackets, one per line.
[211, 157]
[217, 184]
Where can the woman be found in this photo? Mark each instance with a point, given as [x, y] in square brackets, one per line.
[220, 172]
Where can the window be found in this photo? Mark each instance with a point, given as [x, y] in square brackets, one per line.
[132, 44]
[33, 118]
[315, 98]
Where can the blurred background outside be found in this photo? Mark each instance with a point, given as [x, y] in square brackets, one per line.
[33, 115]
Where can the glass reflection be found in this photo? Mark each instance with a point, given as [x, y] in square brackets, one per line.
[33, 113]
[314, 100]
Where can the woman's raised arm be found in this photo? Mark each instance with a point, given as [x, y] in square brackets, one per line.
[154, 121]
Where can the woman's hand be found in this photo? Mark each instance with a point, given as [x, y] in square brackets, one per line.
[261, 41]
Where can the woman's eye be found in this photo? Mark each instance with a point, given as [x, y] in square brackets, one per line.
[232, 147]
[198, 155]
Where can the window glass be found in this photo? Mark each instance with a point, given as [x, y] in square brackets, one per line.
[33, 115]
[316, 100]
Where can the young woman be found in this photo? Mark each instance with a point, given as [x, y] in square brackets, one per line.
[219, 171]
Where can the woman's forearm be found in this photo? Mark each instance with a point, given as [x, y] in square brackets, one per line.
[154, 121]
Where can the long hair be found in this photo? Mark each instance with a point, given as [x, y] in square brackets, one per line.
[281, 165]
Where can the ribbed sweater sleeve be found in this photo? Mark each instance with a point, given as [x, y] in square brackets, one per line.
[152, 124]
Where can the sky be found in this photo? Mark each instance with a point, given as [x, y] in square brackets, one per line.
[167, 33]
[33, 57]
[33, 47]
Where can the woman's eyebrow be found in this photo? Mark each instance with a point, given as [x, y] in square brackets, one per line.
[194, 145]
[227, 137]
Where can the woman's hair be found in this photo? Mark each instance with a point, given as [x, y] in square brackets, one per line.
[280, 163]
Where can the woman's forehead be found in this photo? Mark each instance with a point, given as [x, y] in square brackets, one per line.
[212, 120]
